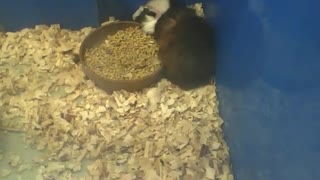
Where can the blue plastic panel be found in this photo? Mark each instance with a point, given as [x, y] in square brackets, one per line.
[71, 14]
[268, 77]
[121, 9]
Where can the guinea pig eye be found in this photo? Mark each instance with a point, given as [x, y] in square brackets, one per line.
[149, 13]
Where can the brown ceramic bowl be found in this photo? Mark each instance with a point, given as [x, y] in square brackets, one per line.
[97, 37]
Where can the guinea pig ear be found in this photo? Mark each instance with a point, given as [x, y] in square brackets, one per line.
[137, 13]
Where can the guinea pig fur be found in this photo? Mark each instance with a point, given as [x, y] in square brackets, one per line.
[186, 47]
[148, 14]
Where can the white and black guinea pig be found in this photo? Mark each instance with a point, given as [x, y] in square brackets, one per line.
[148, 14]
[186, 47]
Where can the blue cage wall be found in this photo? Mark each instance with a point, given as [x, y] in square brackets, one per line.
[71, 14]
[268, 70]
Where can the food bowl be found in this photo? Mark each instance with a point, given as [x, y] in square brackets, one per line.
[97, 37]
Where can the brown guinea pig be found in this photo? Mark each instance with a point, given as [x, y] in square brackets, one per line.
[186, 47]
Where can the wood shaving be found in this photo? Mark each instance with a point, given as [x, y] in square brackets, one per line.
[199, 9]
[161, 132]
[5, 172]
[14, 161]
[96, 169]
[16, 165]
[24, 167]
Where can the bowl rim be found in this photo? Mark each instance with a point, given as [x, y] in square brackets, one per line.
[82, 52]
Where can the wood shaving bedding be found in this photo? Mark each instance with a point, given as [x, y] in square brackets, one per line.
[160, 133]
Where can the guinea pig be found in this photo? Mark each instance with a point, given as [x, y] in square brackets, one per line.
[186, 47]
[148, 14]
